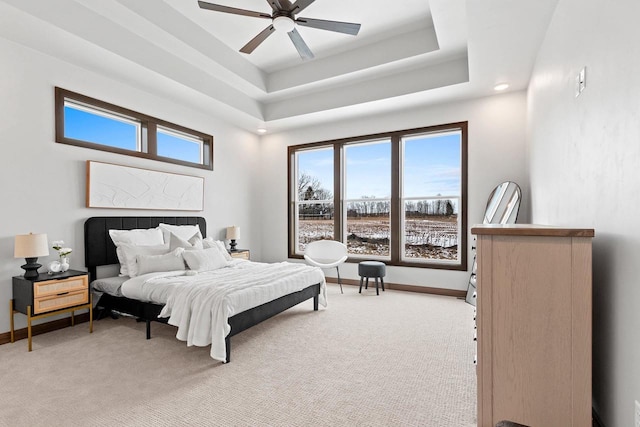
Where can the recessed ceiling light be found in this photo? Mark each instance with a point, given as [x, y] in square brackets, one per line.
[262, 130]
[501, 86]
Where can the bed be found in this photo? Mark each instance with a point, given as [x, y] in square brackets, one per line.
[101, 251]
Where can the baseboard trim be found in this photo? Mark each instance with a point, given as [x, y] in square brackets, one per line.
[408, 288]
[43, 328]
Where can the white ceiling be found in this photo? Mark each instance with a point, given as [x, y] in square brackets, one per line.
[408, 53]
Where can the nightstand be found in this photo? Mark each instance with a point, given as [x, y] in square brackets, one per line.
[50, 294]
[240, 254]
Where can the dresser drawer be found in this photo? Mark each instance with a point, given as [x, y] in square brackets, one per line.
[55, 287]
[57, 302]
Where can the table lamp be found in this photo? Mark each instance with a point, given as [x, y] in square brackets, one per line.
[233, 234]
[30, 247]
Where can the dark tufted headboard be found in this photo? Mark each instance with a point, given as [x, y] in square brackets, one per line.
[98, 246]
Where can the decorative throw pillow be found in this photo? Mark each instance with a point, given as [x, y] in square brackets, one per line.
[129, 254]
[210, 243]
[166, 262]
[192, 243]
[205, 259]
[185, 232]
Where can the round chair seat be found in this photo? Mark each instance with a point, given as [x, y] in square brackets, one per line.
[371, 269]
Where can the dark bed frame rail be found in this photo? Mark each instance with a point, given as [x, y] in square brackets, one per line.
[100, 251]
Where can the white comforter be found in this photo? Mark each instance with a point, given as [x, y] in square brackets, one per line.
[200, 305]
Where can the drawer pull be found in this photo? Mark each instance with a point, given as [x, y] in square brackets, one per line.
[62, 293]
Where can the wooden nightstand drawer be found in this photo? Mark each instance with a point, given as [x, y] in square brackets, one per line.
[60, 301]
[240, 254]
[55, 287]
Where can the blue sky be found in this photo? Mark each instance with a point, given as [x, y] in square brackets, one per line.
[85, 126]
[431, 165]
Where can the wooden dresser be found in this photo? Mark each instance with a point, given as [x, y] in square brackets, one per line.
[534, 325]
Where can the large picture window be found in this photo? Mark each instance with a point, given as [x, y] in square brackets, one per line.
[91, 123]
[398, 197]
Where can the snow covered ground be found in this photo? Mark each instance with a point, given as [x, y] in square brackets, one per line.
[431, 238]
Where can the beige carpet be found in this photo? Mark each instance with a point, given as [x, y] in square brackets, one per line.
[398, 359]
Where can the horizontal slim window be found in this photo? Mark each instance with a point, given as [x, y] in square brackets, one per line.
[90, 123]
[179, 145]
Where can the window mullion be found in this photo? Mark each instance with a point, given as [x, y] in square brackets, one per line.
[150, 137]
[395, 198]
[338, 178]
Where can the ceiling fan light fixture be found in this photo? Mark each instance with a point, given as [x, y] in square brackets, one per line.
[283, 23]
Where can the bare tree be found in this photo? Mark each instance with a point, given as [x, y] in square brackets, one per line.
[310, 188]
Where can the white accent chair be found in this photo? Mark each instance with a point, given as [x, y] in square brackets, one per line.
[326, 254]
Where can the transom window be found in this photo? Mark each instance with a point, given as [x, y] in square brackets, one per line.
[398, 197]
[90, 123]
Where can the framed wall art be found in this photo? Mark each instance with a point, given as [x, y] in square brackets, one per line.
[126, 187]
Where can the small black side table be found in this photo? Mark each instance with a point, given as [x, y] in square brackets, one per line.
[50, 294]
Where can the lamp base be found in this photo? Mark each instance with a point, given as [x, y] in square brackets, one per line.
[31, 268]
[232, 245]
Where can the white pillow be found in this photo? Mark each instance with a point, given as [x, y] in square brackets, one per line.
[154, 263]
[185, 232]
[205, 259]
[129, 254]
[210, 243]
[175, 242]
[140, 237]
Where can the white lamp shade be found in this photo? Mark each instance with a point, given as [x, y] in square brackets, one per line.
[31, 246]
[233, 233]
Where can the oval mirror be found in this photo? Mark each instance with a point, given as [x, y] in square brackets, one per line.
[503, 204]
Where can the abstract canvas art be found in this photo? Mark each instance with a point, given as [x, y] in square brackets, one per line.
[125, 187]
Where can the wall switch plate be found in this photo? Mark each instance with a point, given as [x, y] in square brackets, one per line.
[581, 81]
[637, 424]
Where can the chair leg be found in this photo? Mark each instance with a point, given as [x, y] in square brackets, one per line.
[366, 283]
[339, 282]
[382, 282]
[377, 291]
[361, 279]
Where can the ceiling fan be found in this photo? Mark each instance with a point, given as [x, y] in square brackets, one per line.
[283, 19]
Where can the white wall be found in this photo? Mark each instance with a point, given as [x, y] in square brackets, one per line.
[42, 183]
[585, 172]
[496, 154]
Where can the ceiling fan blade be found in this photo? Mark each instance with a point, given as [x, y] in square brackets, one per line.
[276, 5]
[300, 5]
[301, 46]
[340, 27]
[255, 42]
[235, 11]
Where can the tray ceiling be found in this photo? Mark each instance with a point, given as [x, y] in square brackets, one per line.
[417, 52]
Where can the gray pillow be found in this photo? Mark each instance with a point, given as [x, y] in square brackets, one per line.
[155, 263]
[175, 241]
[205, 259]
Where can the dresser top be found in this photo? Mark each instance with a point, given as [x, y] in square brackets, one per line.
[530, 230]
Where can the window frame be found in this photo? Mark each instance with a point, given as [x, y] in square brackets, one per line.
[148, 125]
[397, 210]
